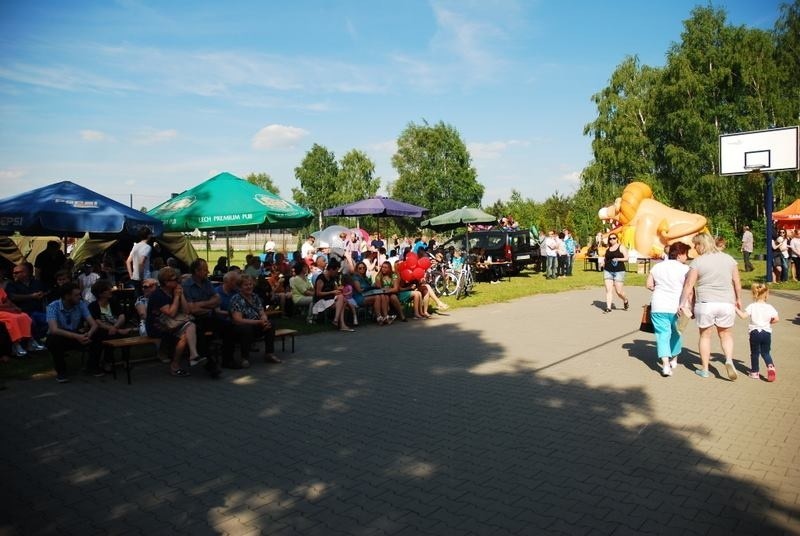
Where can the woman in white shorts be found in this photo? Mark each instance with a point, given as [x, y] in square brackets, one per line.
[714, 277]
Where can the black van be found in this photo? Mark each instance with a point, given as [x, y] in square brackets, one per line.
[513, 246]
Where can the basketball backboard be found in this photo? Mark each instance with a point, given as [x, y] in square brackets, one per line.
[775, 149]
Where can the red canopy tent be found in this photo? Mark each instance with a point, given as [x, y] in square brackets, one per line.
[788, 217]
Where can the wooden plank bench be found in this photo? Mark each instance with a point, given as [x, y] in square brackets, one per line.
[126, 344]
[282, 334]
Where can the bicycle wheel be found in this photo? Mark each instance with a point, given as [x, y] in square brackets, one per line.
[469, 283]
[445, 284]
[461, 286]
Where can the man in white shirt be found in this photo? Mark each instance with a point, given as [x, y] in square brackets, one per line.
[747, 249]
[551, 252]
[138, 262]
[307, 250]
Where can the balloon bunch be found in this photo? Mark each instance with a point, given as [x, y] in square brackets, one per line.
[413, 268]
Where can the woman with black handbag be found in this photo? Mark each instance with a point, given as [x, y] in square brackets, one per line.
[666, 281]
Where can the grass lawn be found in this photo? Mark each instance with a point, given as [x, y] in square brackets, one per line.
[528, 283]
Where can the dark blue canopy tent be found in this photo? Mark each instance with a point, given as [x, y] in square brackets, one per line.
[67, 209]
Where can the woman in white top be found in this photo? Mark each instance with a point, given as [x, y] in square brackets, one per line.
[666, 281]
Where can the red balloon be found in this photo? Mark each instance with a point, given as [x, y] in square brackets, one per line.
[419, 273]
[411, 260]
[407, 275]
[399, 266]
[424, 263]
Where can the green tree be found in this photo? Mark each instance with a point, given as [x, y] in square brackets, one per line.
[434, 169]
[621, 141]
[264, 181]
[787, 55]
[356, 178]
[317, 175]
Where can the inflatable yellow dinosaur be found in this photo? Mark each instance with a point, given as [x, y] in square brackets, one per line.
[647, 226]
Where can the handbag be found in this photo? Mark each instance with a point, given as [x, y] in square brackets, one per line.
[173, 323]
[646, 324]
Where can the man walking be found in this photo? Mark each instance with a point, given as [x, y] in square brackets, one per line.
[747, 248]
[138, 261]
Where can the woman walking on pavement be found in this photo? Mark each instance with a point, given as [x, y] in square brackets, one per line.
[714, 277]
[666, 281]
[614, 271]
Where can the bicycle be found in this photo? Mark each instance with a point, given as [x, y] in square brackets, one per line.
[441, 279]
[465, 281]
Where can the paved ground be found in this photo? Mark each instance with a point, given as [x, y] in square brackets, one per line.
[541, 416]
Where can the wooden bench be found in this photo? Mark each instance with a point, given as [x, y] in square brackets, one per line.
[282, 334]
[126, 344]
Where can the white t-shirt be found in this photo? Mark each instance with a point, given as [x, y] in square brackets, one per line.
[551, 247]
[141, 253]
[86, 281]
[668, 276]
[307, 250]
[760, 315]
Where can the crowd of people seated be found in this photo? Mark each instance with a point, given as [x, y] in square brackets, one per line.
[55, 305]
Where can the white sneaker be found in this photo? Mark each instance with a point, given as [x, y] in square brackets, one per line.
[666, 370]
[34, 346]
[674, 362]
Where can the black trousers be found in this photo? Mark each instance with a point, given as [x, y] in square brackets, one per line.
[59, 346]
[207, 323]
[245, 335]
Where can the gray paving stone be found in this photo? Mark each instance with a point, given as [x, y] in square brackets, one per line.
[453, 427]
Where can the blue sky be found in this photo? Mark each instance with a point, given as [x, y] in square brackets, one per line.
[149, 98]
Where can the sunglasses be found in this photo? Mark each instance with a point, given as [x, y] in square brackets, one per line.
[612, 237]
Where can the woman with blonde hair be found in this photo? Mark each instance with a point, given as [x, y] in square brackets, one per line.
[714, 278]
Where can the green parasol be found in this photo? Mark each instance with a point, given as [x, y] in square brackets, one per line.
[228, 202]
[458, 218]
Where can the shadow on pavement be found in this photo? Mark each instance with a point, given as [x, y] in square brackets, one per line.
[420, 438]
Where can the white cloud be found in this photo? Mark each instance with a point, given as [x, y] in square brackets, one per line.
[386, 147]
[11, 174]
[62, 77]
[493, 149]
[573, 177]
[156, 136]
[94, 135]
[276, 136]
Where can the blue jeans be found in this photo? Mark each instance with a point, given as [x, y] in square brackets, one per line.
[760, 343]
[668, 338]
[552, 263]
[570, 263]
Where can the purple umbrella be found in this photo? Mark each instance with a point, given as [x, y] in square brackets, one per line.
[377, 206]
[381, 207]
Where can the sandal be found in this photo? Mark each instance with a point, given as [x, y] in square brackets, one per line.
[771, 373]
[606, 310]
[179, 372]
[626, 305]
[754, 375]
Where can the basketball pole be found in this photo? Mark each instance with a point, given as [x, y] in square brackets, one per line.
[768, 202]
